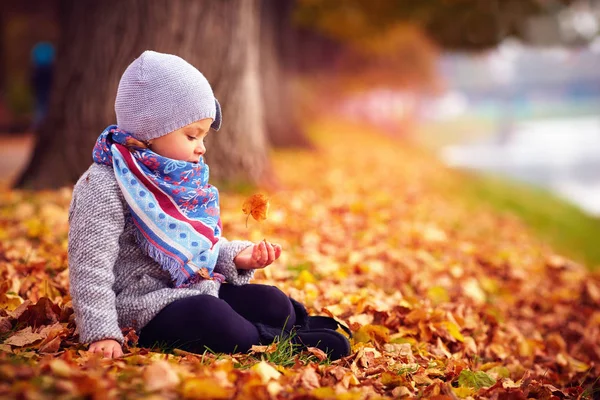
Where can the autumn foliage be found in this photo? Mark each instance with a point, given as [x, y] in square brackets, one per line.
[444, 300]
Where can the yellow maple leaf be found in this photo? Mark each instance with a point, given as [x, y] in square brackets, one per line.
[256, 205]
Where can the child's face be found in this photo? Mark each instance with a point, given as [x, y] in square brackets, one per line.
[185, 144]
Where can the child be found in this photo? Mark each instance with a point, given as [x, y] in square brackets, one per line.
[145, 243]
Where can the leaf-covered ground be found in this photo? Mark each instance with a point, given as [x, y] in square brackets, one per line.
[444, 299]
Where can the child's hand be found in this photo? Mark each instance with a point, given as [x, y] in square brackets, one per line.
[257, 256]
[109, 348]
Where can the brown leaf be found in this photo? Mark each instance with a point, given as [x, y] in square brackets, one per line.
[318, 353]
[51, 346]
[5, 325]
[308, 378]
[44, 312]
[337, 371]
[17, 312]
[23, 337]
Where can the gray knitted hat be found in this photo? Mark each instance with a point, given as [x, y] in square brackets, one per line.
[159, 93]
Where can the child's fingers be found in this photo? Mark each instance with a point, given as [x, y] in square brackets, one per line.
[270, 253]
[255, 253]
[277, 251]
[265, 254]
[262, 255]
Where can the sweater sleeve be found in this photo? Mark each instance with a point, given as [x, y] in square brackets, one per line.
[226, 266]
[96, 220]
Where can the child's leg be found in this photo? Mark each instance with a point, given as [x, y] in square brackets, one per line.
[260, 303]
[196, 322]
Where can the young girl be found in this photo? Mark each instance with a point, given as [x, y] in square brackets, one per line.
[145, 243]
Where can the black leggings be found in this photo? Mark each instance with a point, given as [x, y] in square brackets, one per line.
[224, 324]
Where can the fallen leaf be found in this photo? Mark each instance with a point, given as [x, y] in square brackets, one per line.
[5, 325]
[204, 388]
[266, 371]
[44, 312]
[308, 378]
[160, 375]
[23, 337]
[264, 349]
[62, 369]
[51, 346]
[318, 353]
[17, 312]
[475, 380]
[368, 333]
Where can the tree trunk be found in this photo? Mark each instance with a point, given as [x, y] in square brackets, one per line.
[281, 121]
[100, 38]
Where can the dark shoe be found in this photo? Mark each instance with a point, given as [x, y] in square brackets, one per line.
[304, 322]
[322, 322]
[333, 343]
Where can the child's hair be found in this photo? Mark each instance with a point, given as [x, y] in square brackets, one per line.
[159, 93]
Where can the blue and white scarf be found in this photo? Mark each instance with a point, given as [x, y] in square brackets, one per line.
[175, 210]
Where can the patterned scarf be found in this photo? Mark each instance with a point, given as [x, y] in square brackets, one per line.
[175, 210]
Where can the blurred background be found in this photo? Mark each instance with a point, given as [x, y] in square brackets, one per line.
[508, 87]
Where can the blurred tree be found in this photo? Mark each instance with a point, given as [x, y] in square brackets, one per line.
[100, 39]
[452, 24]
[277, 59]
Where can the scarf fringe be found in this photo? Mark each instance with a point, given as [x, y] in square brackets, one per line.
[168, 263]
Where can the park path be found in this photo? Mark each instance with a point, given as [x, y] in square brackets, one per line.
[15, 150]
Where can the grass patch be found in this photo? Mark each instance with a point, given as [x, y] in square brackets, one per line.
[287, 353]
[554, 220]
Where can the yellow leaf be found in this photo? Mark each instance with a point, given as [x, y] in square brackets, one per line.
[204, 388]
[256, 205]
[369, 333]
[463, 391]
[35, 228]
[438, 295]
[578, 365]
[325, 392]
[10, 301]
[266, 371]
[47, 289]
[453, 330]
[305, 277]
[392, 380]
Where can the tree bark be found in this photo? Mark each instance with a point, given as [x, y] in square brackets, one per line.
[281, 122]
[100, 38]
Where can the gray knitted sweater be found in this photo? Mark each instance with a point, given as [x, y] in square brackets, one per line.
[113, 284]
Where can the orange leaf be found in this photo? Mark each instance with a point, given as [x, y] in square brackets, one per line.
[256, 205]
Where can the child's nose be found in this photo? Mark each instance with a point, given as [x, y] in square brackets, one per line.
[200, 149]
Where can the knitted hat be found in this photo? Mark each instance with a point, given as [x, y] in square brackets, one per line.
[159, 93]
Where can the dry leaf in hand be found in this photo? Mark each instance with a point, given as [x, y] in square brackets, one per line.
[256, 205]
[204, 273]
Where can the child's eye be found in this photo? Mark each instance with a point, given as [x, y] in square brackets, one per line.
[191, 138]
